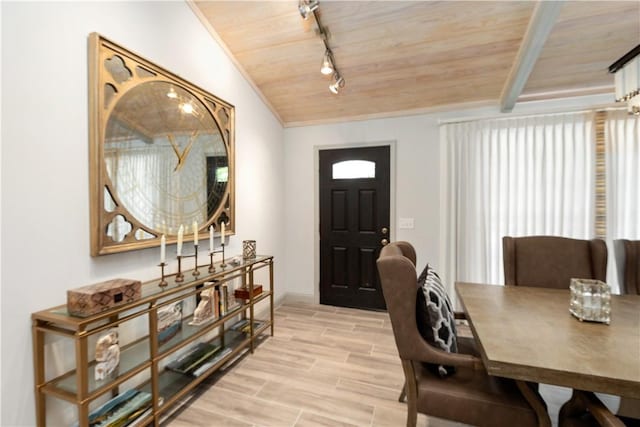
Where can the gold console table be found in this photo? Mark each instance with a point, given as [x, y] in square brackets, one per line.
[143, 359]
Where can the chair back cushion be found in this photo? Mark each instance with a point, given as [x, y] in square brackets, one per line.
[400, 289]
[630, 277]
[435, 317]
[551, 261]
[440, 328]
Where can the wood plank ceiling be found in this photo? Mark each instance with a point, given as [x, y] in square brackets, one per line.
[404, 57]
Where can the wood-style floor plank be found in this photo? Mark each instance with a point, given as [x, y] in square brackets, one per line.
[248, 409]
[319, 400]
[199, 415]
[309, 419]
[325, 367]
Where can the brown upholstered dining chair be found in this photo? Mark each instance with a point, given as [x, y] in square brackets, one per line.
[586, 410]
[469, 395]
[628, 258]
[629, 265]
[551, 261]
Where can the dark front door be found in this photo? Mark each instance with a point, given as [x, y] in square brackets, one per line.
[354, 224]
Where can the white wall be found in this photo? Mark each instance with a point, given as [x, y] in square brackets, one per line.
[417, 180]
[44, 161]
[416, 174]
[0, 206]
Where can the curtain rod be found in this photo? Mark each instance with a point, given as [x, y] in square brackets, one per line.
[603, 107]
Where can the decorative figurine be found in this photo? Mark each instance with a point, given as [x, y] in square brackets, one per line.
[169, 321]
[205, 310]
[107, 355]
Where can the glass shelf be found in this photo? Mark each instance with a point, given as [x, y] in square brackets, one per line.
[187, 331]
[151, 292]
[132, 357]
[171, 383]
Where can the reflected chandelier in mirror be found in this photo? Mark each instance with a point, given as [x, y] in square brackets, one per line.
[162, 153]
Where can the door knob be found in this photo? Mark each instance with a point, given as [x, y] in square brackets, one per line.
[384, 242]
[385, 230]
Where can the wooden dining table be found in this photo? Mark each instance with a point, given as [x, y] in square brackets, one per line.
[528, 333]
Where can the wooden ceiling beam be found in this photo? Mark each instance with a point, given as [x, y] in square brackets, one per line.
[542, 21]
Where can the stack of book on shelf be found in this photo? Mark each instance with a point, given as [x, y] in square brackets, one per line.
[227, 300]
[200, 358]
[123, 410]
[213, 302]
[243, 325]
[224, 300]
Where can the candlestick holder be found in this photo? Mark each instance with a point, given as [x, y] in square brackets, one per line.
[163, 283]
[222, 264]
[179, 275]
[212, 268]
[196, 273]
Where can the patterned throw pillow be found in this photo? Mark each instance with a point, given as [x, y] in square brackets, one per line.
[434, 315]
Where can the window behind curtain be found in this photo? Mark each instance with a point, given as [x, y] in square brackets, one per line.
[521, 176]
[622, 139]
[622, 148]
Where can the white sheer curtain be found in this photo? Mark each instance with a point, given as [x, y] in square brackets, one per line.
[520, 176]
[622, 142]
[622, 139]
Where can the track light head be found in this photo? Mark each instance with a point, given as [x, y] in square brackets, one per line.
[306, 7]
[327, 63]
[337, 84]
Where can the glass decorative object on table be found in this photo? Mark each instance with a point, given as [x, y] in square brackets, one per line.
[248, 249]
[590, 300]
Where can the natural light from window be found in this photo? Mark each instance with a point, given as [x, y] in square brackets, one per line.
[354, 169]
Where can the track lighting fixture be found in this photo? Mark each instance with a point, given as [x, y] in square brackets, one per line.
[337, 84]
[626, 71]
[306, 7]
[327, 63]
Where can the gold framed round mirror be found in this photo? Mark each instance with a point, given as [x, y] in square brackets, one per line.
[161, 153]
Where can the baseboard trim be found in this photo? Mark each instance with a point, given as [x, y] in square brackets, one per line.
[262, 311]
[295, 297]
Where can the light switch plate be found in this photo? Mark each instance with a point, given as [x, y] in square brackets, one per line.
[405, 223]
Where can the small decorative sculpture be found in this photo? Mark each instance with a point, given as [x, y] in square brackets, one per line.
[107, 355]
[590, 300]
[248, 249]
[169, 322]
[204, 310]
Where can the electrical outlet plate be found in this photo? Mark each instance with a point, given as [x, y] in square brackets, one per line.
[405, 223]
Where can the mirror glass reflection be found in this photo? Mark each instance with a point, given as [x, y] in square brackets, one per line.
[165, 158]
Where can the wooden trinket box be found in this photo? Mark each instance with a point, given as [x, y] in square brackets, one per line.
[92, 299]
[243, 293]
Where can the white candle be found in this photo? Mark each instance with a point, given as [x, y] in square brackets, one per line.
[195, 233]
[211, 238]
[180, 236]
[222, 233]
[163, 244]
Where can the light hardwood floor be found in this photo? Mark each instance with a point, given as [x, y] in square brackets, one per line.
[325, 366]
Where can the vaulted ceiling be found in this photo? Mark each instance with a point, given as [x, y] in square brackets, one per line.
[404, 57]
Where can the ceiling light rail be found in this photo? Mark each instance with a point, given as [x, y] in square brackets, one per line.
[626, 73]
[307, 7]
[328, 66]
